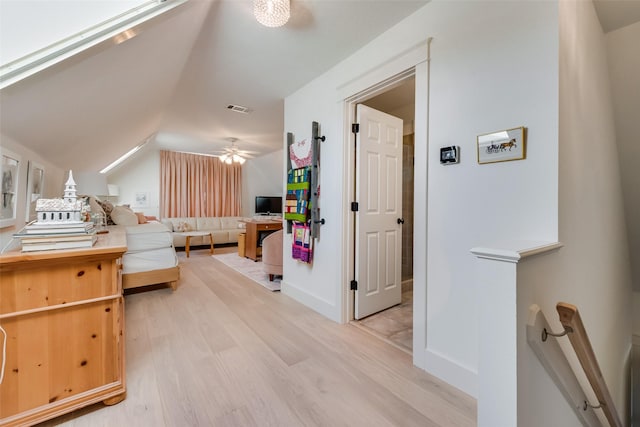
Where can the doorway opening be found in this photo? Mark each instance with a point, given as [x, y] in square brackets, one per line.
[394, 324]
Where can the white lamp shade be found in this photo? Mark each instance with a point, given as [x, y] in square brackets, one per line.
[113, 189]
[91, 184]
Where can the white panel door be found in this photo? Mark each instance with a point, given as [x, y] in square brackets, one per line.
[378, 220]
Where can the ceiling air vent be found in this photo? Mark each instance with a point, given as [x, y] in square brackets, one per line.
[238, 108]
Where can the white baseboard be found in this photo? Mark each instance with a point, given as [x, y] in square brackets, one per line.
[461, 377]
[321, 306]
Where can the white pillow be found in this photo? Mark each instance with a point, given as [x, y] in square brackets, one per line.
[122, 215]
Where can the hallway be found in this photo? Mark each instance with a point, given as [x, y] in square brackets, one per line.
[223, 351]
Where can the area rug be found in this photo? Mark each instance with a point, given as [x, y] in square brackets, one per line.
[250, 269]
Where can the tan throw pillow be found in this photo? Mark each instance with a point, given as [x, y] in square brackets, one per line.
[123, 216]
[141, 218]
[184, 226]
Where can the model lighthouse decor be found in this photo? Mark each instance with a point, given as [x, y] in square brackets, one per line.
[65, 210]
[59, 224]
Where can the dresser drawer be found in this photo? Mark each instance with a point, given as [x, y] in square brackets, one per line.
[263, 227]
[45, 284]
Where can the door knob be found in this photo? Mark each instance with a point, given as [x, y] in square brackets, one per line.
[400, 220]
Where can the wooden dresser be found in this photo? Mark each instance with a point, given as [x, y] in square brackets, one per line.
[63, 314]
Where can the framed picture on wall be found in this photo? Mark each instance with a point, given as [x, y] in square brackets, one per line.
[142, 199]
[501, 146]
[9, 163]
[35, 187]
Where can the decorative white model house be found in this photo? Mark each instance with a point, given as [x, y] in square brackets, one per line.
[68, 209]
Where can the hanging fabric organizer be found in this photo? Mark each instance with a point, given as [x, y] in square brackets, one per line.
[303, 191]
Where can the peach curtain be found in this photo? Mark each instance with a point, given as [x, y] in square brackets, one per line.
[194, 185]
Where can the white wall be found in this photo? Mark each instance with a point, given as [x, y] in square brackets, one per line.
[624, 68]
[494, 72]
[54, 179]
[262, 176]
[481, 81]
[139, 174]
[592, 269]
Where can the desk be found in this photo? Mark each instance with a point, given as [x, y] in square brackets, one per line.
[190, 234]
[256, 231]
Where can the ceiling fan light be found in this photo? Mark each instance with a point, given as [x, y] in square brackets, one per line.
[241, 160]
[272, 13]
[228, 160]
[223, 158]
[236, 158]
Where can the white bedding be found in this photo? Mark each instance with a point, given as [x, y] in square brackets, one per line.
[149, 247]
[156, 259]
[152, 235]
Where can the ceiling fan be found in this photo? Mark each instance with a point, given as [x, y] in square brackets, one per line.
[233, 154]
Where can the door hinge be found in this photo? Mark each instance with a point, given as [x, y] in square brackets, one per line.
[355, 127]
[354, 285]
[354, 206]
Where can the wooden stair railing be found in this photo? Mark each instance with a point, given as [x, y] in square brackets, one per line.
[572, 322]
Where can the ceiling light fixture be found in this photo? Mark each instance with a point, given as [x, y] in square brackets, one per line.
[232, 154]
[231, 158]
[272, 13]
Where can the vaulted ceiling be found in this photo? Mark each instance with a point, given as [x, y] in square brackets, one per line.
[174, 80]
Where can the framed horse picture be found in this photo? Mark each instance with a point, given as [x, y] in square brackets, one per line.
[501, 146]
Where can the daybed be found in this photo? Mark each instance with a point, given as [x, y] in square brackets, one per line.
[150, 258]
[224, 229]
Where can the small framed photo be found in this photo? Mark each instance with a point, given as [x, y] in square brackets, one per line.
[142, 199]
[502, 146]
[35, 186]
[9, 163]
[449, 155]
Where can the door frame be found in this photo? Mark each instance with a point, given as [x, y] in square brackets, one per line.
[414, 62]
[350, 161]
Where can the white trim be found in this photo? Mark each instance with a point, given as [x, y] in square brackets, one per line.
[370, 80]
[516, 251]
[349, 184]
[376, 80]
[457, 375]
[420, 213]
[318, 304]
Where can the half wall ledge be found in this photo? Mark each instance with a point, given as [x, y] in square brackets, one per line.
[497, 279]
[515, 251]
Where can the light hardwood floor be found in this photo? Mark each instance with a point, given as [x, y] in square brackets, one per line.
[223, 351]
[395, 324]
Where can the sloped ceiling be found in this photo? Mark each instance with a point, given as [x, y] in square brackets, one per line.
[615, 14]
[237, 61]
[173, 80]
[86, 111]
